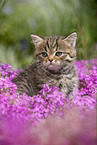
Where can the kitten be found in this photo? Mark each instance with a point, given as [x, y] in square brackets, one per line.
[54, 63]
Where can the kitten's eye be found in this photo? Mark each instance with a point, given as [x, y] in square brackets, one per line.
[44, 54]
[58, 54]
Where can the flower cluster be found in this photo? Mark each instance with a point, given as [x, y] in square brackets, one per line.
[49, 102]
[87, 91]
[28, 108]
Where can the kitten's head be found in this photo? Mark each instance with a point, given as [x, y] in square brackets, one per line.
[54, 51]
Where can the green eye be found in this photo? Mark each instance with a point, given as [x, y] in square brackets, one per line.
[44, 54]
[58, 54]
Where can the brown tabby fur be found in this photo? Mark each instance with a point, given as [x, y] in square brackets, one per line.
[54, 63]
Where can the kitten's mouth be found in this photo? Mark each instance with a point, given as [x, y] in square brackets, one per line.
[53, 68]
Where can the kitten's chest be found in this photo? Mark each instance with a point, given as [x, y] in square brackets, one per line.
[42, 77]
[58, 81]
[66, 83]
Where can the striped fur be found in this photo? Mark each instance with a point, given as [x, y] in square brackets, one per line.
[54, 63]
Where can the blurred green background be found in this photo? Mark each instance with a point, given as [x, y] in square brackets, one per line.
[21, 18]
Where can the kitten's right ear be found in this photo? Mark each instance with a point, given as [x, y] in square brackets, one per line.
[36, 40]
[71, 39]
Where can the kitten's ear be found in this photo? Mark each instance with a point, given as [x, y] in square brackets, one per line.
[36, 39]
[71, 39]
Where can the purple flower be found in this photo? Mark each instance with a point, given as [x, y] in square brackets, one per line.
[19, 114]
[49, 100]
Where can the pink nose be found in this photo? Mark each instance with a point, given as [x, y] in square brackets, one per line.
[50, 60]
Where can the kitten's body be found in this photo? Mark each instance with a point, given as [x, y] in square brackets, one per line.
[54, 63]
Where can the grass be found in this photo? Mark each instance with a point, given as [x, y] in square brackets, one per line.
[20, 19]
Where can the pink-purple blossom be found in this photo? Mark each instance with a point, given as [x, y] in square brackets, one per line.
[49, 103]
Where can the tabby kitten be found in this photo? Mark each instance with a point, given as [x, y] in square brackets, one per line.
[54, 63]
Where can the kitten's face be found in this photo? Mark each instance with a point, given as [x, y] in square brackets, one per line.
[53, 51]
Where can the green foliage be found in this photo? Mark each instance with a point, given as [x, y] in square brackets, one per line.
[2, 3]
[11, 57]
[20, 18]
[5, 56]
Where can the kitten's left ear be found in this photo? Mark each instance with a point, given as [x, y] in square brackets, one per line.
[71, 39]
[36, 40]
